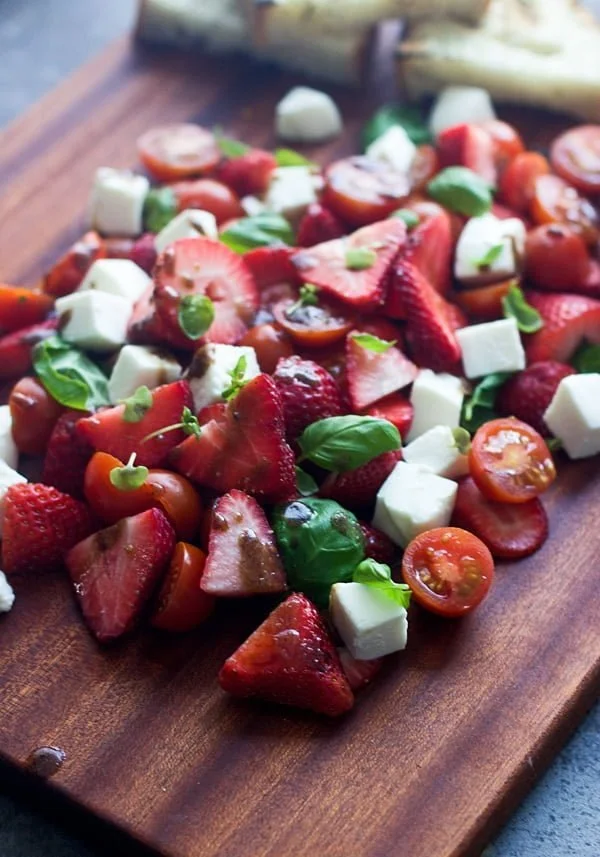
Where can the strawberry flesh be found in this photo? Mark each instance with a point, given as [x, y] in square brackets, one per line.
[67, 456]
[567, 321]
[308, 393]
[373, 375]
[270, 266]
[355, 489]
[395, 408]
[358, 673]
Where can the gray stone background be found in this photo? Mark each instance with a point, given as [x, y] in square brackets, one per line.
[41, 41]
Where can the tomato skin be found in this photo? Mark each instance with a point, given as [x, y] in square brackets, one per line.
[425, 166]
[16, 348]
[178, 151]
[181, 604]
[449, 571]
[67, 274]
[510, 461]
[556, 258]
[209, 195]
[20, 307]
[270, 344]
[485, 302]
[313, 326]
[507, 143]
[362, 191]
[179, 500]
[554, 201]
[575, 155]
[34, 414]
[517, 183]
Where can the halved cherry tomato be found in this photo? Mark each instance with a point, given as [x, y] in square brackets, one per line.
[178, 151]
[424, 167]
[361, 190]
[485, 302]
[313, 326]
[16, 348]
[507, 143]
[270, 343]
[179, 500]
[181, 604]
[517, 182]
[556, 258]
[575, 156]
[449, 570]
[34, 414]
[209, 195]
[20, 307]
[554, 201]
[66, 275]
[510, 462]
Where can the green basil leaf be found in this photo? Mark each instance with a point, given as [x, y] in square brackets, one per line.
[263, 230]
[360, 258]
[345, 443]
[70, 377]
[488, 258]
[160, 207]
[462, 440]
[373, 343]
[230, 148]
[137, 405]
[129, 477]
[195, 315]
[290, 158]
[479, 407]
[238, 379]
[305, 483]
[460, 189]
[515, 305]
[409, 217]
[587, 358]
[410, 118]
[553, 444]
[379, 576]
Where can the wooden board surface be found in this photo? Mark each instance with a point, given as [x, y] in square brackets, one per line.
[437, 752]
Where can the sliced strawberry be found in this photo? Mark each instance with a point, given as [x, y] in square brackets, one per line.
[116, 570]
[16, 348]
[372, 375]
[527, 394]
[356, 489]
[271, 265]
[290, 659]
[467, 145]
[67, 274]
[40, 525]
[143, 252]
[568, 320]
[108, 431]
[242, 556]
[244, 447]
[308, 393]
[395, 408]
[358, 673]
[67, 456]
[202, 266]
[147, 327]
[378, 546]
[319, 224]
[326, 265]
[248, 174]
[509, 531]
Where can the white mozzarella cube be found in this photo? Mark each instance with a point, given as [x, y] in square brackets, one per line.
[137, 366]
[120, 277]
[94, 320]
[370, 624]
[7, 595]
[416, 500]
[210, 371]
[436, 451]
[9, 453]
[494, 346]
[252, 205]
[437, 399]
[456, 105]
[307, 115]
[191, 223]
[489, 250]
[573, 415]
[117, 202]
[291, 190]
[394, 148]
[383, 521]
[8, 477]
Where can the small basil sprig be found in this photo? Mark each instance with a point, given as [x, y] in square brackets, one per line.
[345, 443]
[290, 158]
[379, 577]
[70, 377]
[490, 256]
[229, 147]
[262, 230]
[462, 190]
[410, 218]
[189, 425]
[238, 379]
[137, 405]
[514, 305]
[195, 315]
[373, 343]
[587, 358]
[308, 296]
[410, 118]
[479, 407]
[360, 258]
[305, 483]
[160, 207]
[130, 476]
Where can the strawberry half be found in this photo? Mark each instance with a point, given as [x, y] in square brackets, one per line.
[358, 673]
[319, 224]
[568, 320]
[243, 447]
[372, 375]
[108, 431]
[271, 265]
[67, 456]
[467, 145]
[355, 489]
[16, 348]
[249, 173]
[242, 556]
[308, 393]
[395, 408]
[290, 659]
[116, 570]
[378, 546]
[528, 393]
[327, 265]
[40, 525]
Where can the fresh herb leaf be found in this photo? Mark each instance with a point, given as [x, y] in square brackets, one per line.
[479, 407]
[373, 343]
[70, 377]
[554, 443]
[409, 217]
[238, 379]
[360, 258]
[489, 257]
[309, 296]
[515, 305]
[160, 207]
[262, 230]
[230, 148]
[290, 158]
[587, 358]
[410, 118]
[462, 190]
[189, 425]
[195, 315]
[379, 576]
[137, 405]
[462, 440]
[129, 477]
[305, 483]
[345, 443]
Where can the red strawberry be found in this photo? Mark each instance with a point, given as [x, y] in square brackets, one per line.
[509, 530]
[271, 265]
[40, 525]
[308, 393]
[468, 146]
[326, 265]
[116, 570]
[16, 348]
[143, 252]
[244, 447]
[290, 659]
[358, 673]
[528, 394]
[249, 173]
[378, 546]
[568, 320]
[242, 556]
[67, 456]
[201, 266]
[395, 408]
[372, 375]
[319, 224]
[108, 431]
[357, 488]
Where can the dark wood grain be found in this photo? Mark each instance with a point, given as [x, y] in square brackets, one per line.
[437, 752]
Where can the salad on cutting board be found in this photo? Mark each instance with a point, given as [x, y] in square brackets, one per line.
[338, 389]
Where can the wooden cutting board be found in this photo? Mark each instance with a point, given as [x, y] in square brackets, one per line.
[438, 751]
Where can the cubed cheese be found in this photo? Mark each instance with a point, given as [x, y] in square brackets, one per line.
[210, 371]
[117, 202]
[120, 277]
[7, 596]
[94, 320]
[252, 205]
[291, 190]
[456, 105]
[8, 477]
[436, 451]
[394, 148]
[382, 521]
[137, 366]
[494, 346]
[307, 115]
[8, 448]
[369, 622]
[437, 399]
[489, 249]
[191, 223]
[573, 415]
[415, 501]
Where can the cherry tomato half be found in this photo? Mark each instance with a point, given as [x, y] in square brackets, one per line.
[209, 195]
[21, 307]
[575, 156]
[67, 274]
[517, 182]
[34, 414]
[270, 344]
[449, 570]
[179, 500]
[555, 201]
[181, 604]
[507, 143]
[484, 303]
[313, 326]
[510, 462]
[556, 258]
[178, 151]
[361, 190]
